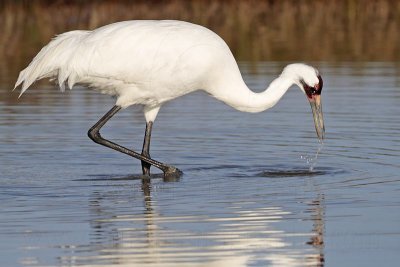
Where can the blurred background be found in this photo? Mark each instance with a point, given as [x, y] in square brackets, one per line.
[246, 198]
[285, 30]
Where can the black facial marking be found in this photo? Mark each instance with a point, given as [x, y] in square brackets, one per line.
[311, 91]
[320, 84]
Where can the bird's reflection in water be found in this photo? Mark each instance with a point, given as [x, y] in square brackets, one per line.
[318, 217]
[132, 235]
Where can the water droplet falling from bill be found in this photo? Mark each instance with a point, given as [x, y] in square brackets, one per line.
[312, 160]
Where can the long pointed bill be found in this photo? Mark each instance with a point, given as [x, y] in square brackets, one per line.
[316, 107]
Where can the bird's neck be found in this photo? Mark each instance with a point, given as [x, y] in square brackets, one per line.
[244, 99]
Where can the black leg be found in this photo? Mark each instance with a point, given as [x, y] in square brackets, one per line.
[146, 148]
[94, 134]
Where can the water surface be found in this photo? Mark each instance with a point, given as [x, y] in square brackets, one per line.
[247, 197]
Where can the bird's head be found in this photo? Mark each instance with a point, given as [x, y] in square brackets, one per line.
[310, 82]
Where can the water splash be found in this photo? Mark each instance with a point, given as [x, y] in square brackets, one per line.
[312, 160]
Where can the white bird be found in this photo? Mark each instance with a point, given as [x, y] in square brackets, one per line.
[150, 62]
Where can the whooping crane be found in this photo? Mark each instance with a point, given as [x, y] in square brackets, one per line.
[151, 62]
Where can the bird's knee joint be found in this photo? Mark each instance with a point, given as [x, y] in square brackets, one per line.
[94, 135]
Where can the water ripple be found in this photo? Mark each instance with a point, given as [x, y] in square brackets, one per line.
[247, 198]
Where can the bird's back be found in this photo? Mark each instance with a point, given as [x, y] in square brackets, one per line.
[172, 57]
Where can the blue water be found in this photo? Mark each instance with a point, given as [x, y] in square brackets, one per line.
[247, 197]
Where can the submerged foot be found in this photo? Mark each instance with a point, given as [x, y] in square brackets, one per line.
[146, 169]
[172, 173]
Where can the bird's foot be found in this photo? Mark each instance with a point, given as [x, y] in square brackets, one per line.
[172, 173]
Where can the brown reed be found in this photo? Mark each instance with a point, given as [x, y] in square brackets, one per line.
[285, 30]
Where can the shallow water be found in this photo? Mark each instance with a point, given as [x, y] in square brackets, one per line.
[247, 197]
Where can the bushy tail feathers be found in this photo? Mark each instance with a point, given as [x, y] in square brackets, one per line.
[53, 60]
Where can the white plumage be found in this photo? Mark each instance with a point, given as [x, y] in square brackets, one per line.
[141, 62]
[151, 62]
